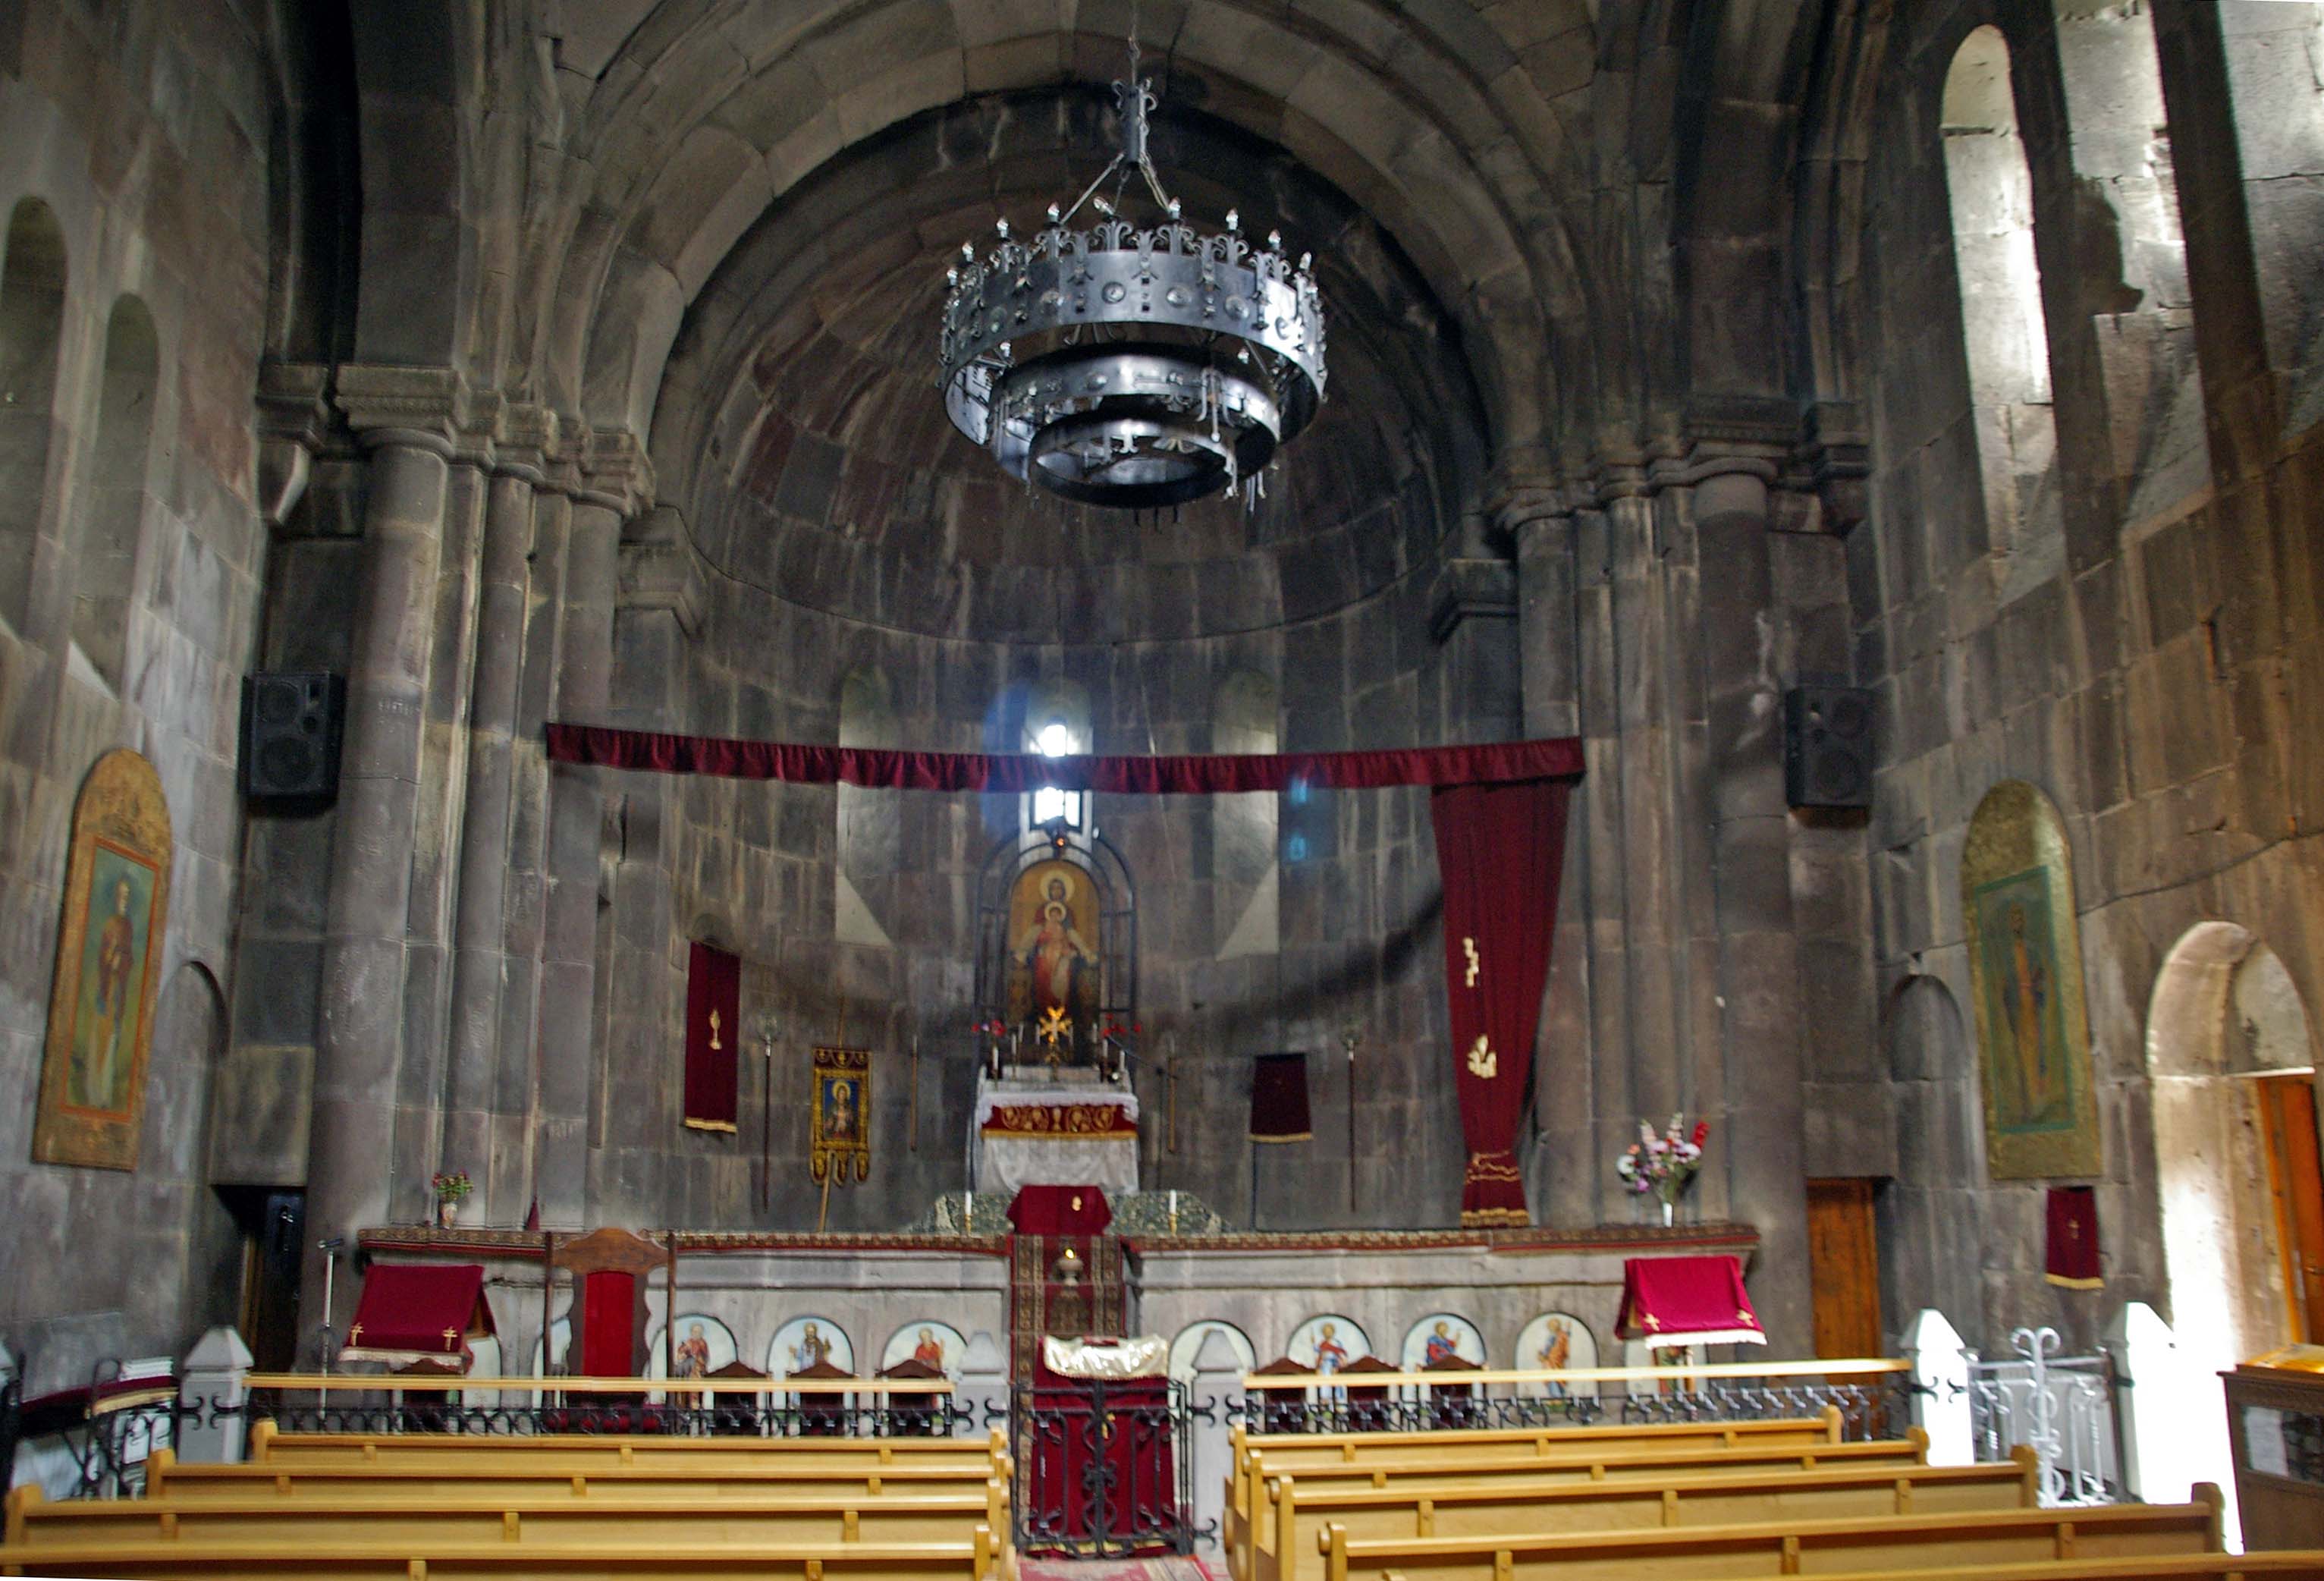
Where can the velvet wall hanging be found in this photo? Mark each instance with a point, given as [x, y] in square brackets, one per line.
[1278, 1098]
[714, 1005]
[1499, 849]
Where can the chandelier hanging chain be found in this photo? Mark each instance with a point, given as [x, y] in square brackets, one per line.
[1130, 397]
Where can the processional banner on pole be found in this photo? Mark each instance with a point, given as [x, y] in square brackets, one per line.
[840, 1132]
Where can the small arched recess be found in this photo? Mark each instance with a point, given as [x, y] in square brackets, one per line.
[2003, 331]
[31, 324]
[112, 501]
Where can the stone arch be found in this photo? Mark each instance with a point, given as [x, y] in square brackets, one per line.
[186, 1102]
[2224, 1010]
[1930, 1217]
[2221, 1251]
[112, 497]
[32, 330]
[1426, 138]
[2004, 335]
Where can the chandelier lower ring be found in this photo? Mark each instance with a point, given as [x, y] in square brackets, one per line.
[1136, 461]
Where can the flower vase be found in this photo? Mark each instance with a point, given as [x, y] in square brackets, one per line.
[447, 1212]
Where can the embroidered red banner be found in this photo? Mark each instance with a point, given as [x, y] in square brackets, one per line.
[713, 1008]
[1500, 763]
[1062, 1121]
[1500, 849]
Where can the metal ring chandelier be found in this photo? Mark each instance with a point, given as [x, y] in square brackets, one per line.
[1127, 366]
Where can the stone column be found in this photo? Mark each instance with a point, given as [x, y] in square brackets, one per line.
[568, 944]
[1549, 669]
[525, 889]
[359, 1036]
[479, 926]
[1756, 1057]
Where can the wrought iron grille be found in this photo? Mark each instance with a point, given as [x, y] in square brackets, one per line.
[1871, 1406]
[678, 1414]
[1102, 1469]
[2060, 1407]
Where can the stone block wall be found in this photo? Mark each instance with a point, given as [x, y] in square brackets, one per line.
[143, 130]
[2154, 675]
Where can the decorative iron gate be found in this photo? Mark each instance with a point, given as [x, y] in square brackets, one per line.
[2060, 1407]
[1101, 1469]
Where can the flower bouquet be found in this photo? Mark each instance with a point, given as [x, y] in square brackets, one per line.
[1663, 1164]
[450, 1186]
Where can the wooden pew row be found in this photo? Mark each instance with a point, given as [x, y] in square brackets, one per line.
[528, 1477]
[1297, 1452]
[2282, 1565]
[1593, 1461]
[619, 1521]
[975, 1558]
[1285, 1550]
[1803, 1547]
[270, 1446]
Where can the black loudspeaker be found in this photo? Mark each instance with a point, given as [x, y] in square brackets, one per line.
[290, 727]
[1828, 746]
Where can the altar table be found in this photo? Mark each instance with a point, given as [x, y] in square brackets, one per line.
[1066, 1130]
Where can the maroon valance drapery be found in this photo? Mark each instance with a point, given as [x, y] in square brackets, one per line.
[1499, 849]
[1500, 762]
[1499, 815]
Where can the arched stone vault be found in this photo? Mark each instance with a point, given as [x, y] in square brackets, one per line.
[1429, 121]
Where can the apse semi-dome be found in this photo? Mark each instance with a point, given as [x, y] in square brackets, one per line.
[1127, 365]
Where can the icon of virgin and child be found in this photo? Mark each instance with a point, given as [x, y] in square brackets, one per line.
[1052, 963]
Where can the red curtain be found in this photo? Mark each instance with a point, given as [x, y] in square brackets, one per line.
[1500, 849]
[713, 1007]
[609, 1317]
[1501, 763]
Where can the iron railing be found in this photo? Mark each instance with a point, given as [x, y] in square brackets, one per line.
[2060, 1407]
[1874, 1401]
[1102, 1469]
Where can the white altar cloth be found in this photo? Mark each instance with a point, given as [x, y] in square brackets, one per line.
[1050, 1155]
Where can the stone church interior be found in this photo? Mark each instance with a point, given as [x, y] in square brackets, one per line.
[1016, 788]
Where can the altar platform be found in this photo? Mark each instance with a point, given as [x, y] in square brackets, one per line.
[1064, 1127]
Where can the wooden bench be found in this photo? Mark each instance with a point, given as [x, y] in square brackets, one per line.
[1572, 1506]
[2282, 1565]
[1591, 1459]
[271, 1447]
[667, 1521]
[972, 1559]
[521, 1477]
[1797, 1547]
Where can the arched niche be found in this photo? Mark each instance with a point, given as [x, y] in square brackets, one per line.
[1930, 1219]
[2225, 1017]
[32, 323]
[2026, 986]
[1245, 716]
[112, 497]
[2003, 331]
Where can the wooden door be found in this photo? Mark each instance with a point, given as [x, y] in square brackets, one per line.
[2287, 1107]
[1844, 1268]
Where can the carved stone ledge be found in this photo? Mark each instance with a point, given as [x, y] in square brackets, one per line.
[1470, 589]
[660, 570]
[615, 471]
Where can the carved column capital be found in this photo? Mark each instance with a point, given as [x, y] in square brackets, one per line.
[660, 569]
[417, 407]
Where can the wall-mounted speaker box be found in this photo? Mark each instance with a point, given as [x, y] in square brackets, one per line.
[1828, 746]
[291, 723]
